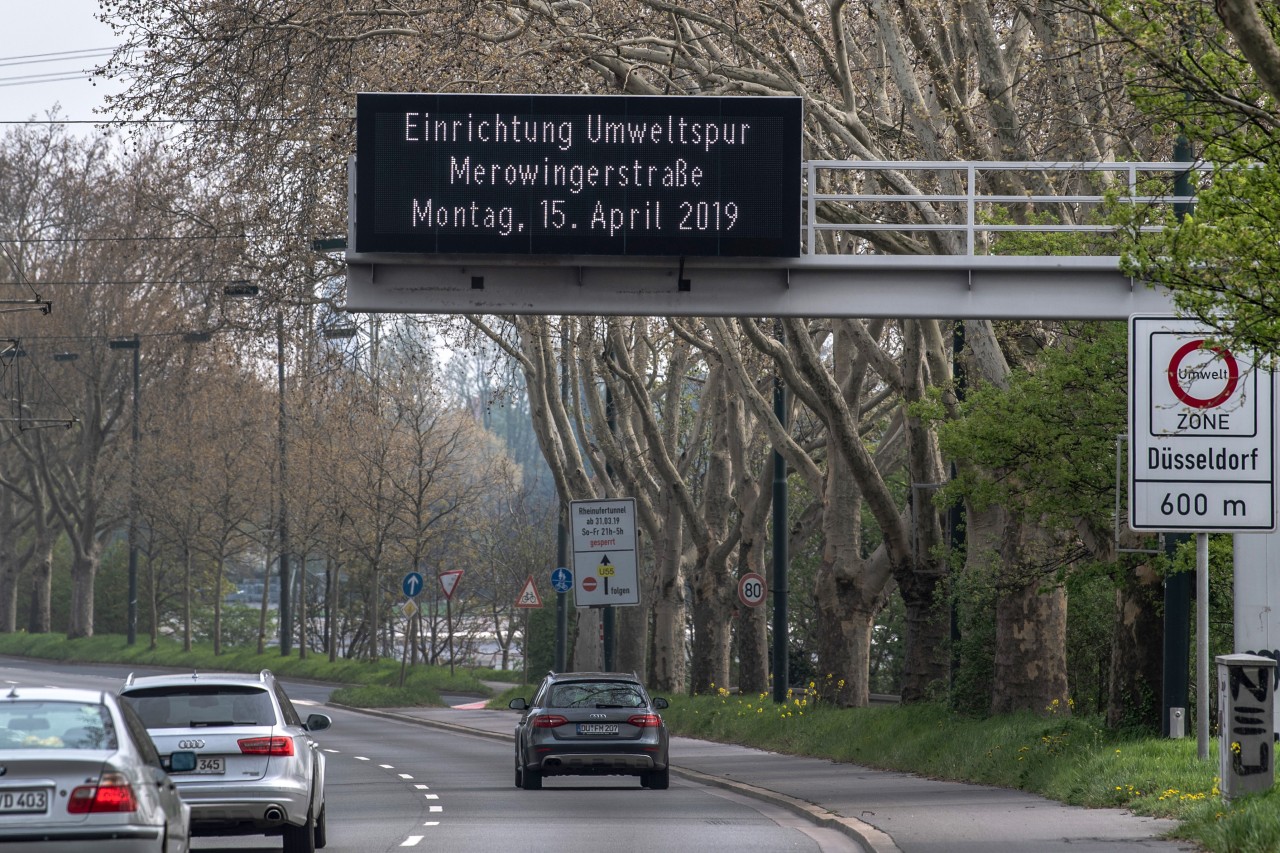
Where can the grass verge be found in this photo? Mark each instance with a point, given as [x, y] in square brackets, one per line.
[366, 684]
[1071, 759]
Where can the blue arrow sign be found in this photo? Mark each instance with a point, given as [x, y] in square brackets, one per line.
[412, 584]
[562, 580]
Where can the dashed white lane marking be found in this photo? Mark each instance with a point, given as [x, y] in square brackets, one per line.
[334, 751]
[472, 706]
[305, 702]
[436, 809]
[387, 766]
[404, 775]
[412, 841]
[433, 796]
[361, 758]
[422, 787]
[432, 823]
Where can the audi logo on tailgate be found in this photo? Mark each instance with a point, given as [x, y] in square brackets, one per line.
[190, 744]
[598, 716]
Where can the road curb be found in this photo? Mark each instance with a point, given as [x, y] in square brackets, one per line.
[865, 834]
[874, 840]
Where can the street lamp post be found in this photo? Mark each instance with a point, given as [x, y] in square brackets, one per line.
[136, 345]
[286, 634]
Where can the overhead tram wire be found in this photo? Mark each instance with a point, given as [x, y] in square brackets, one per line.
[60, 76]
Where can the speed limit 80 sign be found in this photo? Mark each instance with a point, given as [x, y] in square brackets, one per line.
[1201, 431]
[751, 589]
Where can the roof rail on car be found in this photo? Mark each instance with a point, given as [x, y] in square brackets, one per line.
[264, 675]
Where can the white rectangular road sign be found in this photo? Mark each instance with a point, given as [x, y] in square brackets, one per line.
[604, 552]
[1201, 432]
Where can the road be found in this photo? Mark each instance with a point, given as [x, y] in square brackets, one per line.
[394, 785]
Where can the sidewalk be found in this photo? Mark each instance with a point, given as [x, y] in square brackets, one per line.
[886, 812]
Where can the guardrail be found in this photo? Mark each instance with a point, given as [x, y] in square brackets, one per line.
[969, 209]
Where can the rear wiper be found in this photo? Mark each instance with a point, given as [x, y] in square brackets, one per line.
[603, 705]
[198, 724]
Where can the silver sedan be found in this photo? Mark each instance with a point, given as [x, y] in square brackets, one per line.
[79, 772]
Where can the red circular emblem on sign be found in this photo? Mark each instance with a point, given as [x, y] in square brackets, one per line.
[1228, 360]
[589, 584]
[751, 589]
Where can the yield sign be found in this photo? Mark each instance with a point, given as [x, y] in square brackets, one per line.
[449, 581]
[529, 595]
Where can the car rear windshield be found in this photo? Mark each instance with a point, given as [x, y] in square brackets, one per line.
[184, 706]
[30, 724]
[596, 694]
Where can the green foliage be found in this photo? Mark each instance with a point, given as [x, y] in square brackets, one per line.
[1047, 445]
[1222, 260]
[974, 594]
[1091, 603]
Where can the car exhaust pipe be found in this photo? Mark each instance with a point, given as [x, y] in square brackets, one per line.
[273, 813]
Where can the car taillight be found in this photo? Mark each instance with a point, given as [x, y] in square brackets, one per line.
[113, 793]
[548, 721]
[266, 745]
[645, 721]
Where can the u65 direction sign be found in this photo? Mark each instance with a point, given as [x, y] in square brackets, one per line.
[1201, 432]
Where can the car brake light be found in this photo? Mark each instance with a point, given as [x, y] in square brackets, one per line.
[113, 793]
[266, 746]
[548, 721]
[645, 721]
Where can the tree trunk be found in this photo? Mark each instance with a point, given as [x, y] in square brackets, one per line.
[927, 638]
[711, 634]
[217, 606]
[753, 624]
[1136, 696]
[40, 619]
[588, 653]
[846, 618]
[1031, 626]
[668, 670]
[84, 571]
[632, 625]
[846, 594]
[186, 599]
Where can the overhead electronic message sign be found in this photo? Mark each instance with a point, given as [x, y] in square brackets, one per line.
[577, 175]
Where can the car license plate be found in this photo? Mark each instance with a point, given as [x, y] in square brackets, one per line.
[24, 802]
[597, 728]
[210, 766]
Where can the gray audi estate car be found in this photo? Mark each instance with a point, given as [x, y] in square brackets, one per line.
[258, 770]
[591, 724]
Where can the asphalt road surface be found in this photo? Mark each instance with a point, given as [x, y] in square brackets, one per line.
[396, 786]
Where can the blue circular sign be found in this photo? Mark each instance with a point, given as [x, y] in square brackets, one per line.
[562, 580]
[412, 584]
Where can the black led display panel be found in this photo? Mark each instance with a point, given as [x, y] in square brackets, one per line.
[578, 175]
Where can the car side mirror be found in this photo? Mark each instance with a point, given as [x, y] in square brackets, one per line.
[518, 705]
[178, 762]
[318, 722]
[660, 703]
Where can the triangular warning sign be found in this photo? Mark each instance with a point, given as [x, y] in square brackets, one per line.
[449, 580]
[529, 595]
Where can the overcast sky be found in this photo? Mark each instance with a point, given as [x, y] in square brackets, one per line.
[47, 48]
